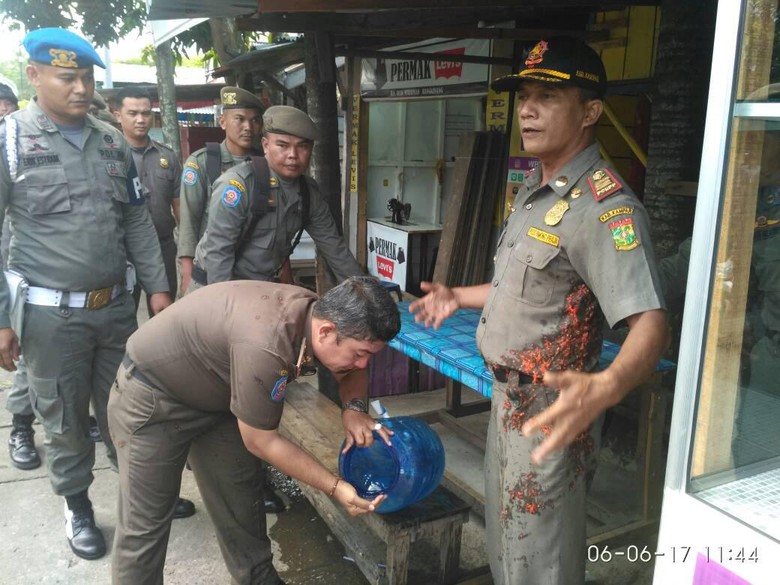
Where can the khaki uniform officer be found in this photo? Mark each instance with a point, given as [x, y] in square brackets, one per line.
[76, 217]
[242, 122]
[574, 252]
[208, 377]
[288, 139]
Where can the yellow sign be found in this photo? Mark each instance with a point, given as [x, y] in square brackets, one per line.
[355, 133]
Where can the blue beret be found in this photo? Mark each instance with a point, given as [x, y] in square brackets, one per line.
[61, 48]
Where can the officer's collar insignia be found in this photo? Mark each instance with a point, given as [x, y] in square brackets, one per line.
[603, 184]
[555, 214]
[229, 98]
[604, 217]
[63, 58]
[623, 234]
[537, 53]
[273, 182]
[164, 163]
[561, 181]
[575, 193]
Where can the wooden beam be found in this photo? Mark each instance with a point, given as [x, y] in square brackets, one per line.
[264, 6]
[271, 81]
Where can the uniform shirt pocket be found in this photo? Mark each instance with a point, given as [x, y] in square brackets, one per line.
[47, 191]
[264, 234]
[532, 281]
[118, 181]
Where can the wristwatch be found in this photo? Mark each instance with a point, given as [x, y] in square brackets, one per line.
[355, 404]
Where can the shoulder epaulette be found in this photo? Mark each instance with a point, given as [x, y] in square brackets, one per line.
[603, 184]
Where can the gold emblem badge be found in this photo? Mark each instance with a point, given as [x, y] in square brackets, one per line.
[575, 193]
[561, 181]
[229, 98]
[238, 185]
[603, 184]
[63, 58]
[598, 175]
[273, 182]
[553, 217]
[164, 163]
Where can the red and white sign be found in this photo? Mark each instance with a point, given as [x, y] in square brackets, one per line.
[419, 78]
[387, 253]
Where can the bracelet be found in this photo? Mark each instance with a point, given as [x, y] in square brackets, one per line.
[355, 404]
[335, 485]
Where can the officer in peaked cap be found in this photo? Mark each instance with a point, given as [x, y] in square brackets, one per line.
[241, 119]
[575, 223]
[76, 316]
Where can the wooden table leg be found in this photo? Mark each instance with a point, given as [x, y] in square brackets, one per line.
[398, 558]
[449, 552]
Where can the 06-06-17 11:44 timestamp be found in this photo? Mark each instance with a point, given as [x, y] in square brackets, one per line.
[676, 554]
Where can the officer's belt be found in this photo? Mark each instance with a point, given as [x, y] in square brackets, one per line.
[93, 299]
[502, 374]
[132, 370]
[199, 275]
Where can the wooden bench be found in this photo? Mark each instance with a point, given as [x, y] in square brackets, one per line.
[378, 543]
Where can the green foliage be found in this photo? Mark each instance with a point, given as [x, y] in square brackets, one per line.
[15, 71]
[102, 21]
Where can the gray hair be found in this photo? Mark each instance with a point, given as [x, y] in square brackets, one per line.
[360, 308]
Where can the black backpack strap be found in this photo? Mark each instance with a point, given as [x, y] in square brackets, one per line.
[305, 205]
[259, 200]
[213, 161]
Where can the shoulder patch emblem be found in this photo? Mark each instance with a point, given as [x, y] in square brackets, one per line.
[613, 212]
[191, 164]
[231, 196]
[546, 237]
[278, 391]
[603, 184]
[189, 177]
[164, 163]
[623, 234]
[238, 185]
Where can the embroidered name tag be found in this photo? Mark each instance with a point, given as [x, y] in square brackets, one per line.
[545, 237]
[613, 212]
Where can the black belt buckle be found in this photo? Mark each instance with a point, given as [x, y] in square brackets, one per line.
[502, 374]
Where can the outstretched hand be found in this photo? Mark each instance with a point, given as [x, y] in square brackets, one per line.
[437, 305]
[347, 496]
[583, 397]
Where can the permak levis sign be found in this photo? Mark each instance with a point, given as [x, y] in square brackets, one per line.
[415, 78]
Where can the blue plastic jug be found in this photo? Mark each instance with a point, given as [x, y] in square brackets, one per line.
[406, 472]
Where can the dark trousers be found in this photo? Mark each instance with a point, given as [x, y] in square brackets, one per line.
[154, 433]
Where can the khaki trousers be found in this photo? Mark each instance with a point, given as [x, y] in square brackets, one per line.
[153, 433]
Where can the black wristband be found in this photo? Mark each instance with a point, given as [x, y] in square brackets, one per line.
[355, 404]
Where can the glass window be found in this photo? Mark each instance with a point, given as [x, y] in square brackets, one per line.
[735, 464]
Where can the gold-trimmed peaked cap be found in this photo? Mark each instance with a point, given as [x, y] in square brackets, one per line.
[61, 48]
[289, 120]
[560, 60]
[235, 97]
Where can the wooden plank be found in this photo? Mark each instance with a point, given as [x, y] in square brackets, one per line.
[449, 232]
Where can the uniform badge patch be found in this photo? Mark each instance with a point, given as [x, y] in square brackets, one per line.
[613, 212]
[190, 177]
[603, 183]
[164, 163]
[555, 214]
[238, 185]
[575, 193]
[545, 237]
[192, 165]
[623, 234]
[231, 196]
[278, 391]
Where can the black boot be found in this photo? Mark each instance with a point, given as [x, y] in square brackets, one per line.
[272, 503]
[86, 540]
[94, 430]
[184, 508]
[21, 444]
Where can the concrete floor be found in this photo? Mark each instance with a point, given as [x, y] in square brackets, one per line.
[36, 551]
